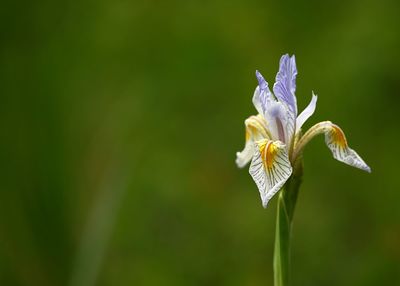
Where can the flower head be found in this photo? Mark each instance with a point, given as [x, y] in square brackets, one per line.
[274, 141]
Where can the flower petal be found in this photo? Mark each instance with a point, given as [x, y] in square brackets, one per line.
[255, 130]
[270, 168]
[257, 101]
[336, 142]
[285, 82]
[262, 94]
[279, 122]
[262, 83]
[307, 112]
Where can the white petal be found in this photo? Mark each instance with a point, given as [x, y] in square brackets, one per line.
[270, 168]
[257, 101]
[255, 130]
[337, 143]
[242, 158]
[306, 113]
[280, 121]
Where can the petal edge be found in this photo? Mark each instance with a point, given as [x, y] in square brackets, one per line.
[255, 130]
[307, 112]
[337, 143]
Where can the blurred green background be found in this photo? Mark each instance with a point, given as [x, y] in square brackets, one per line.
[120, 121]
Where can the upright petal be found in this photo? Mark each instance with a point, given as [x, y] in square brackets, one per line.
[336, 142]
[270, 168]
[262, 94]
[285, 82]
[307, 112]
[255, 130]
[262, 83]
[257, 101]
[279, 122]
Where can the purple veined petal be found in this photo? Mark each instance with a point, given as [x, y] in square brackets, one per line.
[262, 83]
[337, 143]
[285, 82]
[270, 168]
[262, 95]
[307, 112]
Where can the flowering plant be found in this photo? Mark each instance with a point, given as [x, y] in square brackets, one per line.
[274, 145]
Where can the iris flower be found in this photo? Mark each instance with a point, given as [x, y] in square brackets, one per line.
[274, 140]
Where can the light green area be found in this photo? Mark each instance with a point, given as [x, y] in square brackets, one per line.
[120, 122]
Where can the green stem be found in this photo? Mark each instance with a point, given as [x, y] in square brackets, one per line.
[285, 210]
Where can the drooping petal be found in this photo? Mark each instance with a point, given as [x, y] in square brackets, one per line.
[285, 82]
[270, 168]
[306, 113]
[255, 130]
[262, 94]
[336, 142]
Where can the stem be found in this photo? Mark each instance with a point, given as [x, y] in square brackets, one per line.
[285, 210]
[319, 128]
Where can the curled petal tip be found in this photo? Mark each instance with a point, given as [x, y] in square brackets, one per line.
[242, 158]
[238, 161]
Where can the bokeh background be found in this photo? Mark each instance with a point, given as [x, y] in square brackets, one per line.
[120, 121]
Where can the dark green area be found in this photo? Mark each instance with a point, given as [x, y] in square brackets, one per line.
[120, 122]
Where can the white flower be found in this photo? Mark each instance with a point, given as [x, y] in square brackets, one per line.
[273, 138]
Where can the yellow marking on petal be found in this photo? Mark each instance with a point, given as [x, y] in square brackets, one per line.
[336, 142]
[268, 152]
[255, 127]
[338, 136]
[261, 145]
[247, 135]
[270, 156]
